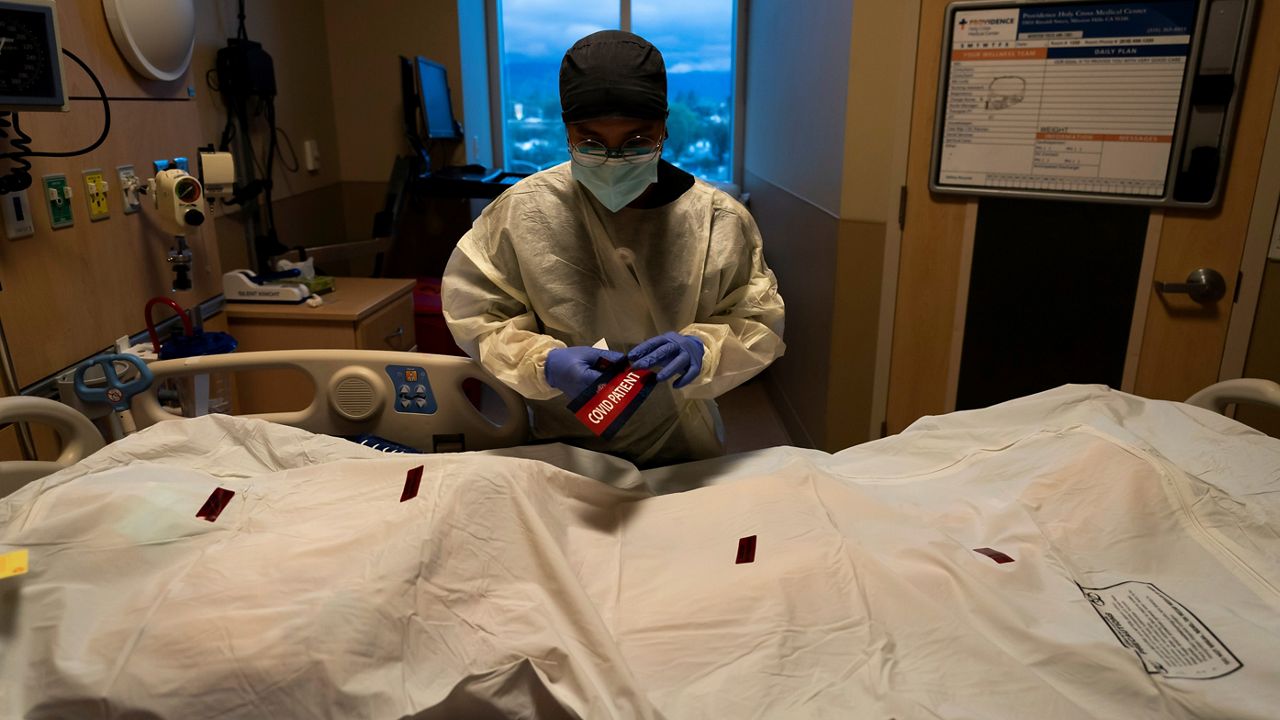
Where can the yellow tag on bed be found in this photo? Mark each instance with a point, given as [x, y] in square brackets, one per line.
[13, 563]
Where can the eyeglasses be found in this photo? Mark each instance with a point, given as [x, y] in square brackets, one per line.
[593, 153]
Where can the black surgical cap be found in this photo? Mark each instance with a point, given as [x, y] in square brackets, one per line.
[613, 73]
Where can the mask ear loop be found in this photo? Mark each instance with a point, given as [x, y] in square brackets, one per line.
[569, 146]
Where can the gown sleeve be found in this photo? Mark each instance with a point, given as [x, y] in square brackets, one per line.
[742, 333]
[488, 313]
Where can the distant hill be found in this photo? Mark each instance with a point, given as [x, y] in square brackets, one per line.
[528, 78]
[714, 85]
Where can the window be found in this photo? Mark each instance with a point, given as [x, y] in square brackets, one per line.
[696, 38]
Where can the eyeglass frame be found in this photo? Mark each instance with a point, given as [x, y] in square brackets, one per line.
[618, 152]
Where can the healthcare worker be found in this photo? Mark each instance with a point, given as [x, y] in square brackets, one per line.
[620, 246]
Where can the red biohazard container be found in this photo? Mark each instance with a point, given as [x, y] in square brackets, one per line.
[433, 334]
[428, 320]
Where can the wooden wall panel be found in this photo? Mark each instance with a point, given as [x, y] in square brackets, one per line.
[47, 443]
[9, 447]
[1182, 344]
[855, 320]
[931, 253]
[68, 293]
[71, 292]
[83, 27]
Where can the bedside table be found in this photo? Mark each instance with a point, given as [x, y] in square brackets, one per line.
[360, 314]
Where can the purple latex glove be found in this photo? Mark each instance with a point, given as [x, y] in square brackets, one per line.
[677, 355]
[572, 370]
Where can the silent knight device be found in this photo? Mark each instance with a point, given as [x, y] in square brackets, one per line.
[245, 287]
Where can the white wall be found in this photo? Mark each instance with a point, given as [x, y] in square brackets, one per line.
[828, 105]
[798, 85]
[475, 81]
[293, 33]
[365, 38]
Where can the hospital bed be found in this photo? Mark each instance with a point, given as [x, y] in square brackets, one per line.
[370, 394]
[1077, 553]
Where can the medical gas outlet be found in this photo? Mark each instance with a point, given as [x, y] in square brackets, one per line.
[58, 197]
[130, 189]
[95, 192]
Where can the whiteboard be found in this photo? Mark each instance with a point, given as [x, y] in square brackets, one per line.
[1080, 99]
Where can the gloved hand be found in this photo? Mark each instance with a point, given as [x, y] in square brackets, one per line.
[572, 370]
[677, 354]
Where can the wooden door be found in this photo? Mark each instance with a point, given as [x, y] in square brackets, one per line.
[1176, 344]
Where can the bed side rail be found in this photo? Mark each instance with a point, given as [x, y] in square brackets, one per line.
[413, 399]
[1249, 391]
[79, 437]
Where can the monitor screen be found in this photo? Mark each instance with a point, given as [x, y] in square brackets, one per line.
[30, 65]
[437, 110]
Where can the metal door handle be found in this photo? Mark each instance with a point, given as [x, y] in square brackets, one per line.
[1204, 285]
[397, 334]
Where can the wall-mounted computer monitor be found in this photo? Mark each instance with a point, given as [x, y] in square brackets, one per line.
[428, 111]
[437, 109]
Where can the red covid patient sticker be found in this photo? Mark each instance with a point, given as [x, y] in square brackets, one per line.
[217, 502]
[996, 555]
[412, 481]
[621, 391]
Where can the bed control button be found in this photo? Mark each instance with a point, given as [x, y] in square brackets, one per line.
[412, 389]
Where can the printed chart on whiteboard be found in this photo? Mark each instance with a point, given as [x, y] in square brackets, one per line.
[1078, 97]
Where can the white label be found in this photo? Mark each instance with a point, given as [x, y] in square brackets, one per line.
[1167, 637]
[17, 215]
[986, 25]
[202, 394]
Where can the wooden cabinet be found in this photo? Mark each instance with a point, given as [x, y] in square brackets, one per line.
[361, 314]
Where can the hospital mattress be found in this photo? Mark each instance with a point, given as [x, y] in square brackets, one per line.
[1079, 553]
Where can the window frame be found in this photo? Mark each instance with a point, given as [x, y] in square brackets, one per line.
[497, 123]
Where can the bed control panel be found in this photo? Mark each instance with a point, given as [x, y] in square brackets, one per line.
[412, 390]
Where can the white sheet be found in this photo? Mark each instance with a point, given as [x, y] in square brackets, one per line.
[511, 587]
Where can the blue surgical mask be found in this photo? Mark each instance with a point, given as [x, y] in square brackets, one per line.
[617, 182]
